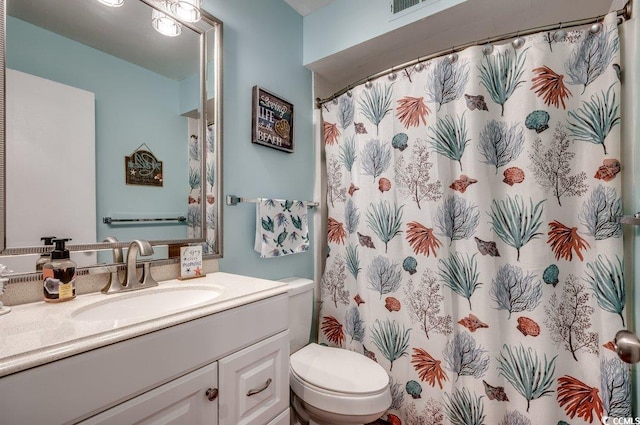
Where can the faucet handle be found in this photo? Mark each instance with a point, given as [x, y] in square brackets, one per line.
[114, 284]
[118, 256]
[148, 280]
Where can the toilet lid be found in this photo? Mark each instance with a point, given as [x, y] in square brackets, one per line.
[338, 370]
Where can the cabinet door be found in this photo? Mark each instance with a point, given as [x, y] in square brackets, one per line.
[254, 382]
[182, 401]
[282, 419]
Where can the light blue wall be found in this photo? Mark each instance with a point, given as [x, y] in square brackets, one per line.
[133, 106]
[262, 46]
[190, 93]
[346, 23]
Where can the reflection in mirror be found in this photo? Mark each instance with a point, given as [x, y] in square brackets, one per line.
[111, 129]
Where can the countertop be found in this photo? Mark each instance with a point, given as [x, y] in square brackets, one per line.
[38, 333]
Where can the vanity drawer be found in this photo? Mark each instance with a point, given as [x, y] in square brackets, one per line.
[181, 401]
[254, 382]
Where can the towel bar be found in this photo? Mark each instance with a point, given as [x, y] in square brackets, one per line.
[234, 200]
[631, 219]
[109, 220]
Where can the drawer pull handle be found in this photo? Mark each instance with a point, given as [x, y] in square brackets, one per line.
[261, 389]
[212, 394]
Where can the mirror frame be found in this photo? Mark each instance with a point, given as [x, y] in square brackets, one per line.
[205, 58]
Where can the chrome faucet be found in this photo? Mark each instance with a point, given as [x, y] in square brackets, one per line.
[131, 281]
[114, 284]
[117, 252]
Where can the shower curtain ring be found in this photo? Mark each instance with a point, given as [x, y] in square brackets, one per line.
[487, 49]
[518, 42]
[595, 28]
[393, 75]
[560, 34]
[453, 56]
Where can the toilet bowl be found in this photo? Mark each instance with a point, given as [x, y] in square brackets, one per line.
[329, 386]
[336, 386]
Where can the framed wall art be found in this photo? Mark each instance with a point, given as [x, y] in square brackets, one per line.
[142, 167]
[272, 120]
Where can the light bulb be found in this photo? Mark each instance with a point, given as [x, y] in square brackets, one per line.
[186, 10]
[164, 24]
[112, 3]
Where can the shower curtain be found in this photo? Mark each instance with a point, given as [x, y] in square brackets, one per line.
[195, 221]
[474, 243]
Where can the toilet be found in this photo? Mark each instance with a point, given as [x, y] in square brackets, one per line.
[329, 386]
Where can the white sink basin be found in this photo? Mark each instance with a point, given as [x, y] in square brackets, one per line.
[146, 303]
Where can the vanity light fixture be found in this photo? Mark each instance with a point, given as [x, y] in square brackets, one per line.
[186, 10]
[112, 3]
[164, 24]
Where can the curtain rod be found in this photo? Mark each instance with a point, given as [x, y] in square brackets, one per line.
[624, 13]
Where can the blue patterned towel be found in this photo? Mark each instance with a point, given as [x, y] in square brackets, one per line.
[281, 227]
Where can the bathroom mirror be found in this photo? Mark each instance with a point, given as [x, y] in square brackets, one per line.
[112, 129]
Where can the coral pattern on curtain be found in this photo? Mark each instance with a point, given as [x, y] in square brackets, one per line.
[474, 243]
[195, 221]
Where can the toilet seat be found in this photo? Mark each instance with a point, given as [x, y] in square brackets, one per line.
[339, 381]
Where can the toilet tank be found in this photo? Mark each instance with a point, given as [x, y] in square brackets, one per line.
[300, 311]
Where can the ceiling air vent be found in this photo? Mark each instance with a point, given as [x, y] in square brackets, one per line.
[403, 7]
[398, 6]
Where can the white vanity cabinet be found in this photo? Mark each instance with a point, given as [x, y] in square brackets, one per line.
[227, 368]
[254, 382]
[251, 385]
[181, 401]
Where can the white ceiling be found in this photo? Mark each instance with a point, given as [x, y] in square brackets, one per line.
[124, 32]
[467, 22]
[304, 7]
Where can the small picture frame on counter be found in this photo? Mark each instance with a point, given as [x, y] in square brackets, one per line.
[191, 262]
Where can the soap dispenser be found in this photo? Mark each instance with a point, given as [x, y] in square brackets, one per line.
[45, 257]
[59, 274]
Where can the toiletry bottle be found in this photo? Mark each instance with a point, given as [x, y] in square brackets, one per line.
[45, 257]
[59, 275]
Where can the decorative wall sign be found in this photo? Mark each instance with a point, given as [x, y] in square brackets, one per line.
[143, 168]
[191, 262]
[272, 120]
